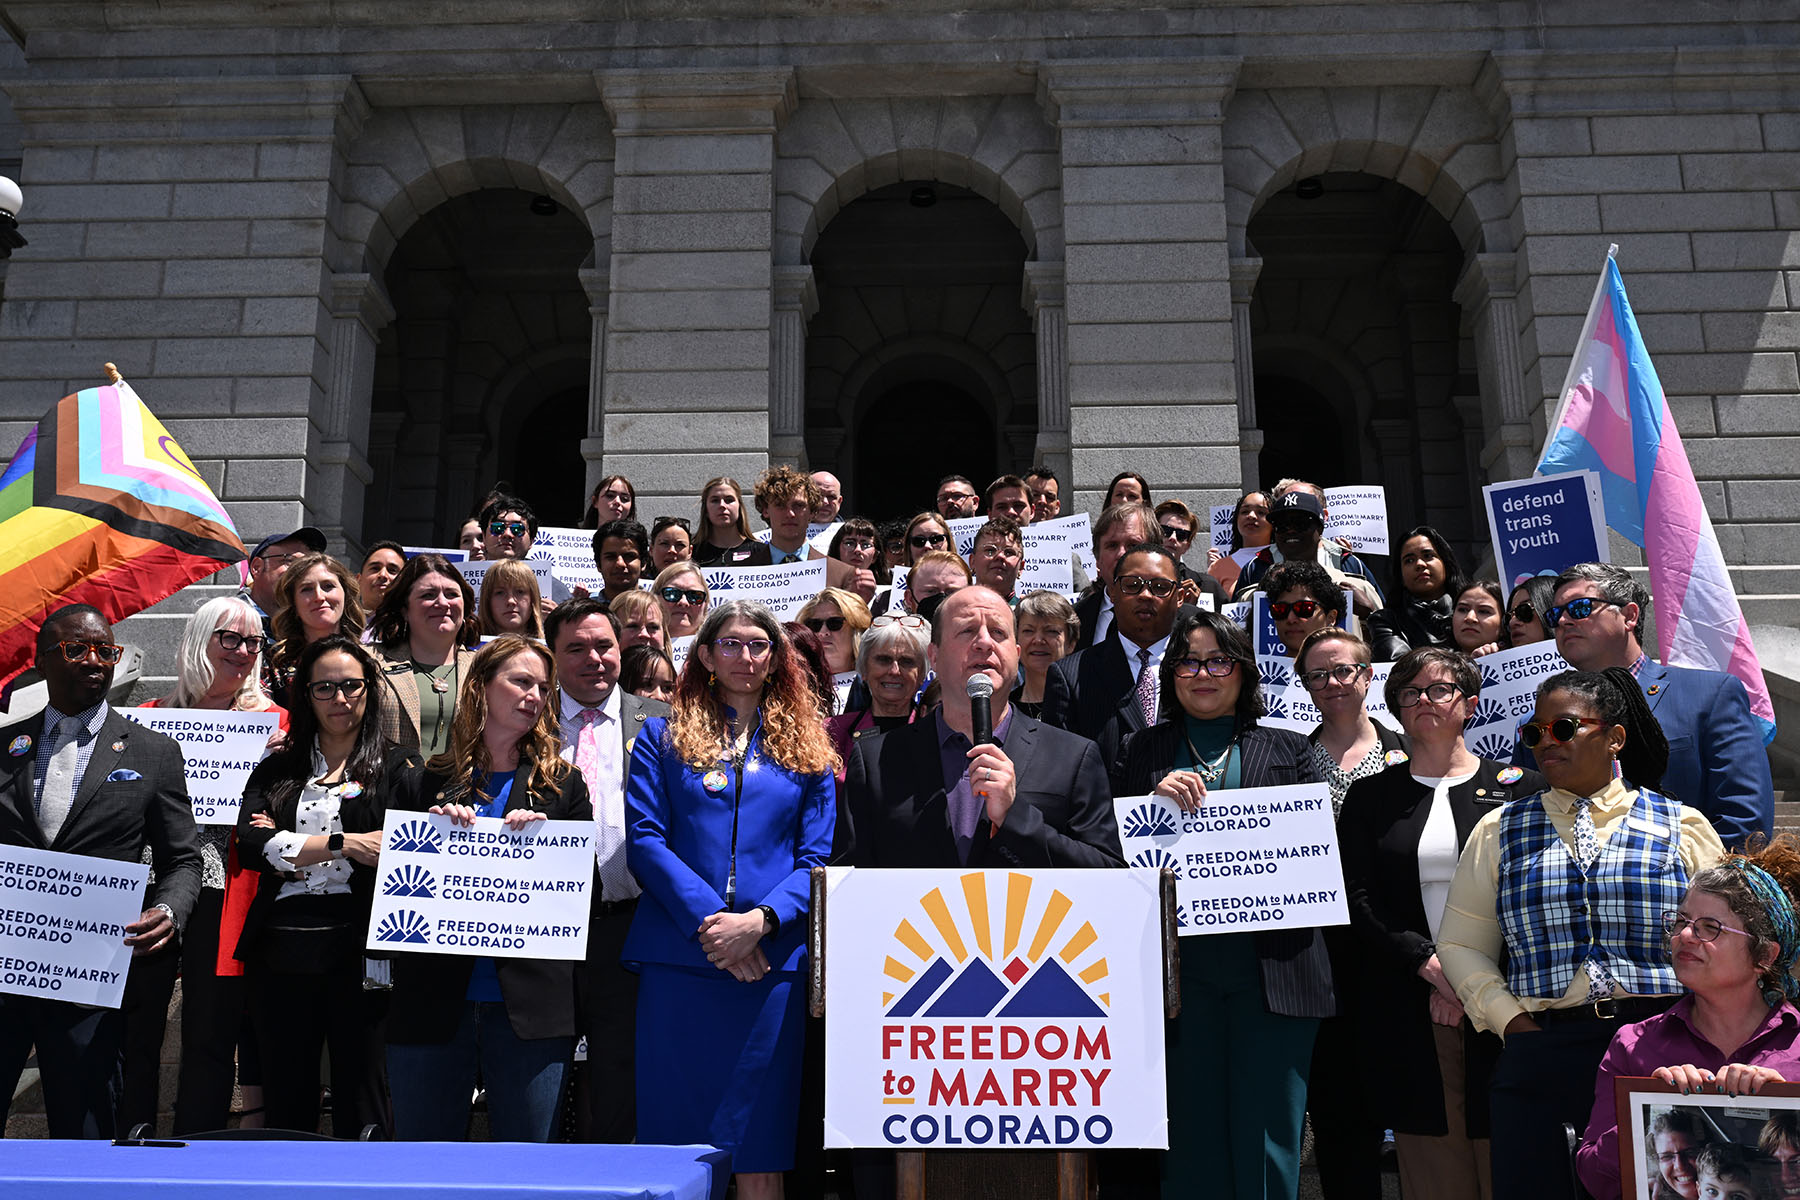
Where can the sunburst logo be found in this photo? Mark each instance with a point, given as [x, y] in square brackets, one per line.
[945, 964]
[1149, 820]
[1494, 745]
[1274, 674]
[1487, 712]
[1156, 858]
[416, 837]
[403, 926]
[412, 880]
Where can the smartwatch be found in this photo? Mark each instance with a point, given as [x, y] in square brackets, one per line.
[335, 844]
[773, 920]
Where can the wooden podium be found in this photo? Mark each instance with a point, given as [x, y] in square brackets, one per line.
[995, 1174]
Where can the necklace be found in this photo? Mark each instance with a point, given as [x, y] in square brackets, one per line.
[1210, 771]
[440, 675]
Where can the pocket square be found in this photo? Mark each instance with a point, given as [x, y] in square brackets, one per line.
[123, 775]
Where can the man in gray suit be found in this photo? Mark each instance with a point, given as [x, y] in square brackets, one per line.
[600, 722]
[80, 779]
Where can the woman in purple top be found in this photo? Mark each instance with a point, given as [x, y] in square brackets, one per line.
[1733, 943]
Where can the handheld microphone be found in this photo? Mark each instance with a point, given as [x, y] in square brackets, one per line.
[981, 714]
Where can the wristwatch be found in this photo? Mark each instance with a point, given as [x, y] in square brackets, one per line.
[773, 920]
[335, 844]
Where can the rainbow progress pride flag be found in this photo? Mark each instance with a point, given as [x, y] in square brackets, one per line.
[1615, 421]
[100, 506]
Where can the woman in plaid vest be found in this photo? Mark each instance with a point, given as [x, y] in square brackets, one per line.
[1567, 888]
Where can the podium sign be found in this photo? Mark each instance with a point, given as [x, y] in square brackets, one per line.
[994, 1010]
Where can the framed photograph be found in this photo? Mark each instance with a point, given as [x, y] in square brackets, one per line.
[1730, 1147]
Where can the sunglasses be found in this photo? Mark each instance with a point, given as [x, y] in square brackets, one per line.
[1342, 673]
[1524, 614]
[231, 639]
[1173, 534]
[756, 648]
[1217, 666]
[675, 595]
[821, 624]
[516, 528]
[921, 540]
[1303, 609]
[108, 653]
[325, 689]
[1131, 585]
[1563, 729]
[1579, 609]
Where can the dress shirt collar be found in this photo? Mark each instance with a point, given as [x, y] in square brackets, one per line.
[1783, 1017]
[1132, 649]
[91, 720]
[570, 709]
[1614, 795]
[945, 733]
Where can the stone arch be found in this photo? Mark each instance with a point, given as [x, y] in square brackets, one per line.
[985, 377]
[407, 161]
[1438, 141]
[830, 152]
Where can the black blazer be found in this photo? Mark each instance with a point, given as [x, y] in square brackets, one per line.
[1378, 839]
[1093, 693]
[1087, 608]
[359, 814]
[893, 810]
[1406, 625]
[1296, 971]
[113, 817]
[428, 988]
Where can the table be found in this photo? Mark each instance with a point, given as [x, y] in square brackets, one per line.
[318, 1170]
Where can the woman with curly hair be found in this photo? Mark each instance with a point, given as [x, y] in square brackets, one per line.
[513, 1019]
[1732, 944]
[729, 806]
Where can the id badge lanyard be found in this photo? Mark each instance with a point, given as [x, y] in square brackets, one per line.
[737, 800]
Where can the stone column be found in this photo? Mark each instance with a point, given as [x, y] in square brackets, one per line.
[1244, 273]
[360, 310]
[1489, 299]
[1151, 386]
[1397, 443]
[593, 442]
[688, 376]
[796, 300]
[1044, 296]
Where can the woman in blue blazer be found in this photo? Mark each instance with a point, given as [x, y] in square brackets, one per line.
[730, 804]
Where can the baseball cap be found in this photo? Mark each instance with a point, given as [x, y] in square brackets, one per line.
[311, 538]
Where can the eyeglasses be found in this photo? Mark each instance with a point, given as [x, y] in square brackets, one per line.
[732, 647]
[994, 551]
[1218, 666]
[903, 620]
[107, 653]
[1342, 673]
[1303, 609]
[1524, 614]
[856, 544]
[1131, 585]
[1578, 609]
[516, 528]
[675, 595]
[1437, 693]
[1563, 729]
[921, 540]
[325, 689]
[231, 639]
[1705, 928]
[821, 624]
[957, 497]
[1173, 533]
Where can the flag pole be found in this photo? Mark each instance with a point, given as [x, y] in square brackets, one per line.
[112, 373]
[1587, 332]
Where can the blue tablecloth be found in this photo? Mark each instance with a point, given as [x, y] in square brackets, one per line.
[258, 1170]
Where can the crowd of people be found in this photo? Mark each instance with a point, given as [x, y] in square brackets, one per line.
[1521, 931]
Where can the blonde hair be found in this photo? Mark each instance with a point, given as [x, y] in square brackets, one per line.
[197, 674]
[513, 574]
[793, 729]
[539, 747]
[850, 606]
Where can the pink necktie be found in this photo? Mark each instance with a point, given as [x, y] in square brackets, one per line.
[587, 746]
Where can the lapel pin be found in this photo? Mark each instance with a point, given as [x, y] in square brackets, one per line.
[20, 745]
[1510, 775]
[1481, 791]
[1655, 688]
[714, 782]
[118, 746]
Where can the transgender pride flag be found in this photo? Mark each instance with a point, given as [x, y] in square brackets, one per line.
[1615, 421]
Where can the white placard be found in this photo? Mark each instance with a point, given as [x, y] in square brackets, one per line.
[841, 683]
[994, 1010]
[1290, 705]
[1051, 549]
[62, 924]
[454, 556]
[898, 581]
[1253, 858]
[443, 888]
[817, 536]
[1220, 519]
[218, 749]
[678, 651]
[785, 589]
[962, 534]
[1509, 683]
[475, 572]
[1359, 516]
[569, 554]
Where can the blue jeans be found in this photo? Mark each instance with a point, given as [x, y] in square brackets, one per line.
[432, 1083]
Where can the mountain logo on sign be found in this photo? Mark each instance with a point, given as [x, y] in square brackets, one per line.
[1156, 857]
[1149, 820]
[403, 925]
[1276, 707]
[1038, 971]
[1490, 676]
[416, 837]
[1496, 746]
[1487, 712]
[719, 582]
[1274, 675]
[411, 880]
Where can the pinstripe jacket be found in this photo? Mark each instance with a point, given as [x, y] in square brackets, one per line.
[1296, 971]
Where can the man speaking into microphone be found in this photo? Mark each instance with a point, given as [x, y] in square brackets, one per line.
[979, 784]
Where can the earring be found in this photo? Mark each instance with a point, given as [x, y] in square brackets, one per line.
[712, 681]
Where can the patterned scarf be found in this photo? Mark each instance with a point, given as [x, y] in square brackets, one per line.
[1780, 907]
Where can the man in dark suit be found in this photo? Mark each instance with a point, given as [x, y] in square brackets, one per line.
[1111, 690]
[1717, 763]
[1119, 528]
[924, 796]
[600, 722]
[81, 779]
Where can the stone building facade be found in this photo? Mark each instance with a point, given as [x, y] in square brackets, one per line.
[366, 256]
